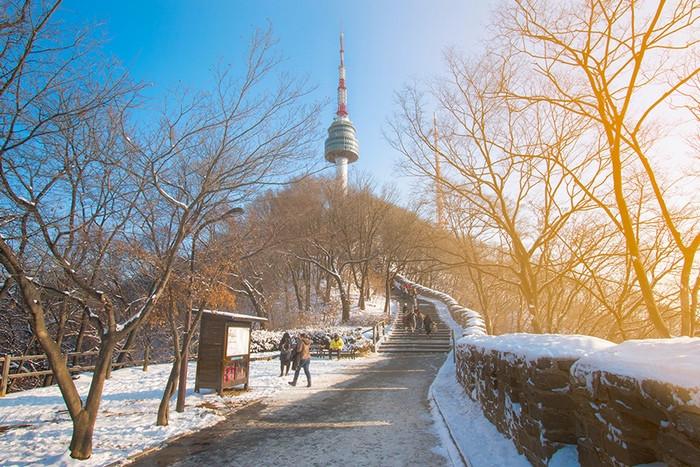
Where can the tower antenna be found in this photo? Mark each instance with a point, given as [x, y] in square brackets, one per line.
[342, 90]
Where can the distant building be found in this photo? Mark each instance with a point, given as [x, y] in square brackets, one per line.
[341, 146]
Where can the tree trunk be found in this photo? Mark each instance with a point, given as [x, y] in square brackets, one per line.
[327, 294]
[81, 441]
[184, 360]
[170, 388]
[297, 291]
[127, 345]
[286, 299]
[317, 283]
[60, 332]
[363, 284]
[686, 300]
[258, 304]
[307, 287]
[631, 241]
[171, 384]
[344, 301]
[84, 420]
[387, 293]
[81, 336]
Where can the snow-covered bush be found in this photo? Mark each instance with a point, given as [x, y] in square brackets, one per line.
[268, 341]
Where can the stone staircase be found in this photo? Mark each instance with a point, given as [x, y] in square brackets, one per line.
[401, 340]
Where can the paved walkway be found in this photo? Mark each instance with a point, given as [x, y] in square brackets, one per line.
[373, 414]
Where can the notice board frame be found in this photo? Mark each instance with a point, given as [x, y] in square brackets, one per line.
[215, 368]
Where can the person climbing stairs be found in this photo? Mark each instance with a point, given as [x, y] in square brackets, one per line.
[402, 339]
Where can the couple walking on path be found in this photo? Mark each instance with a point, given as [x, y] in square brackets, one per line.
[297, 354]
[414, 320]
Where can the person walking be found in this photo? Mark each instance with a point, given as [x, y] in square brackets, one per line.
[285, 348]
[412, 321]
[414, 297]
[304, 352]
[419, 320]
[428, 324]
[336, 346]
[294, 356]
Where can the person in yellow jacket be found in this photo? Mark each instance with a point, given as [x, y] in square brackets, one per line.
[336, 346]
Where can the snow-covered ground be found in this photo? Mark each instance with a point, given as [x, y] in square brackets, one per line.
[462, 426]
[373, 312]
[476, 437]
[35, 427]
[460, 420]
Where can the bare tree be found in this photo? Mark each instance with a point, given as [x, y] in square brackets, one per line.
[81, 191]
[498, 167]
[618, 65]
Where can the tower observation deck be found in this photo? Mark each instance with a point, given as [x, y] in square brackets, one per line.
[341, 146]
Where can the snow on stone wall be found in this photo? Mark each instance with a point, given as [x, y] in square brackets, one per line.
[622, 405]
[521, 382]
[639, 402]
[471, 321]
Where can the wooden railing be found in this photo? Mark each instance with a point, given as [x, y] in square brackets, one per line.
[75, 367]
[378, 331]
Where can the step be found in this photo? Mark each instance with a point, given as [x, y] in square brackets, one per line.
[409, 333]
[421, 336]
[419, 339]
[405, 346]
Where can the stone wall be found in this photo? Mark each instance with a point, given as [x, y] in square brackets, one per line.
[522, 383]
[619, 406]
[636, 404]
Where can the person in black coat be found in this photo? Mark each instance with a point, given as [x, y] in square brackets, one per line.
[285, 348]
[427, 324]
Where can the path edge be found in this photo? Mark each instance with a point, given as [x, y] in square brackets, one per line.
[433, 398]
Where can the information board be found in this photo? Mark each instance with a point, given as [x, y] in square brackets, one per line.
[237, 342]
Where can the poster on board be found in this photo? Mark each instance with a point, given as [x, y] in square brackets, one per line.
[237, 341]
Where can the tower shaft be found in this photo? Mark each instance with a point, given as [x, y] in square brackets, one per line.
[341, 172]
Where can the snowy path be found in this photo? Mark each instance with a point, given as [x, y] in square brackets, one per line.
[376, 413]
[126, 426]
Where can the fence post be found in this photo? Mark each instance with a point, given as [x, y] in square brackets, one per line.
[146, 354]
[5, 375]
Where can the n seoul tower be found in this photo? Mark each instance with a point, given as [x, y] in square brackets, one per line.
[341, 146]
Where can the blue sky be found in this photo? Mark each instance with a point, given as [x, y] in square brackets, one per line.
[172, 44]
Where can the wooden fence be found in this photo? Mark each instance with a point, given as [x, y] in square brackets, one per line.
[75, 367]
[378, 331]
